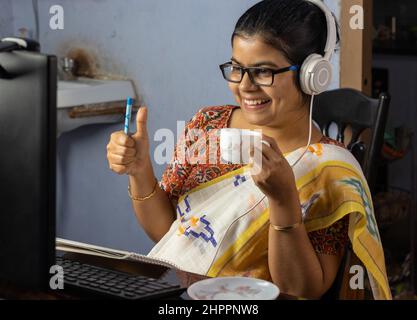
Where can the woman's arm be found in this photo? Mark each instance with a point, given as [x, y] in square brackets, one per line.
[130, 155]
[155, 214]
[293, 262]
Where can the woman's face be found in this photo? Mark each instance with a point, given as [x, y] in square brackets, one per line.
[276, 106]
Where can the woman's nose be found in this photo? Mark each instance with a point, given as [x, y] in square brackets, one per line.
[246, 83]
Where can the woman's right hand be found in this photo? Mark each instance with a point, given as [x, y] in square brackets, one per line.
[130, 154]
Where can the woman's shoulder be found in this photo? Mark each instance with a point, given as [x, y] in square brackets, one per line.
[332, 150]
[211, 117]
[327, 140]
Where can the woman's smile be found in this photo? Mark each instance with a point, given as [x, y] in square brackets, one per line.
[255, 105]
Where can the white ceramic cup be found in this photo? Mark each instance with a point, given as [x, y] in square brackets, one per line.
[235, 144]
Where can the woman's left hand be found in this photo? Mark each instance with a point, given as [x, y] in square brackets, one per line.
[272, 172]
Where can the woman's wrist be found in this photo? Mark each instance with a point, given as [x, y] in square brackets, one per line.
[285, 213]
[142, 182]
[284, 198]
[145, 169]
[142, 198]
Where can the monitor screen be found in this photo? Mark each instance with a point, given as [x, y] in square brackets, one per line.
[28, 87]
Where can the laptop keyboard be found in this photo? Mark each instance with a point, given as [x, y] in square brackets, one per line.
[114, 284]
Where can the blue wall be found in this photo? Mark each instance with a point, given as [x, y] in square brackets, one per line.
[6, 18]
[171, 49]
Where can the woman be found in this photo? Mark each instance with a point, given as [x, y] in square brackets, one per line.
[289, 222]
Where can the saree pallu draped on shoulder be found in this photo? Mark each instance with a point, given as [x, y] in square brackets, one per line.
[222, 225]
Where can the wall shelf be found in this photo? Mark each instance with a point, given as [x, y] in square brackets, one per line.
[86, 101]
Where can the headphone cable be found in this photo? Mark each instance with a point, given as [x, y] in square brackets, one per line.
[310, 129]
[302, 155]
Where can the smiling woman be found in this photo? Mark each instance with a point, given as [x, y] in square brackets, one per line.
[290, 222]
[278, 103]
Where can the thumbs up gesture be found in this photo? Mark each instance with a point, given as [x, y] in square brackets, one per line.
[130, 154]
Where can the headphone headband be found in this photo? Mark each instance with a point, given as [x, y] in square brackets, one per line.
[331, 29]
[316, 71]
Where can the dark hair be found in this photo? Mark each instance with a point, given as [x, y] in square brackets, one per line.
[297, 28]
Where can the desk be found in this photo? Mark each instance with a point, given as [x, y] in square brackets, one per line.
[184, 279]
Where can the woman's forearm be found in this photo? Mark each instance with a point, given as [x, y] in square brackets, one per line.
[155, 214]
[293, 262]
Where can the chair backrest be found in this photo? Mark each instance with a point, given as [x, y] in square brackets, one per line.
[354, 114]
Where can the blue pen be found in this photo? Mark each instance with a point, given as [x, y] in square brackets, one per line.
[129, 104]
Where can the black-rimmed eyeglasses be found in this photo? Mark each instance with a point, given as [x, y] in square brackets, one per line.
[259, 76]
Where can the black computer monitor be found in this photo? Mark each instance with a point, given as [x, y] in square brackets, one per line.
[28, 88]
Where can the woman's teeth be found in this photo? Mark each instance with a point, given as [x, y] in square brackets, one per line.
[255, 102]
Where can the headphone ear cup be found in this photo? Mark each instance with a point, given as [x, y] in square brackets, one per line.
[315, 74]
[305, 73]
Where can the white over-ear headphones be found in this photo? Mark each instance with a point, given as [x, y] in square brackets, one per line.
[316, 71]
